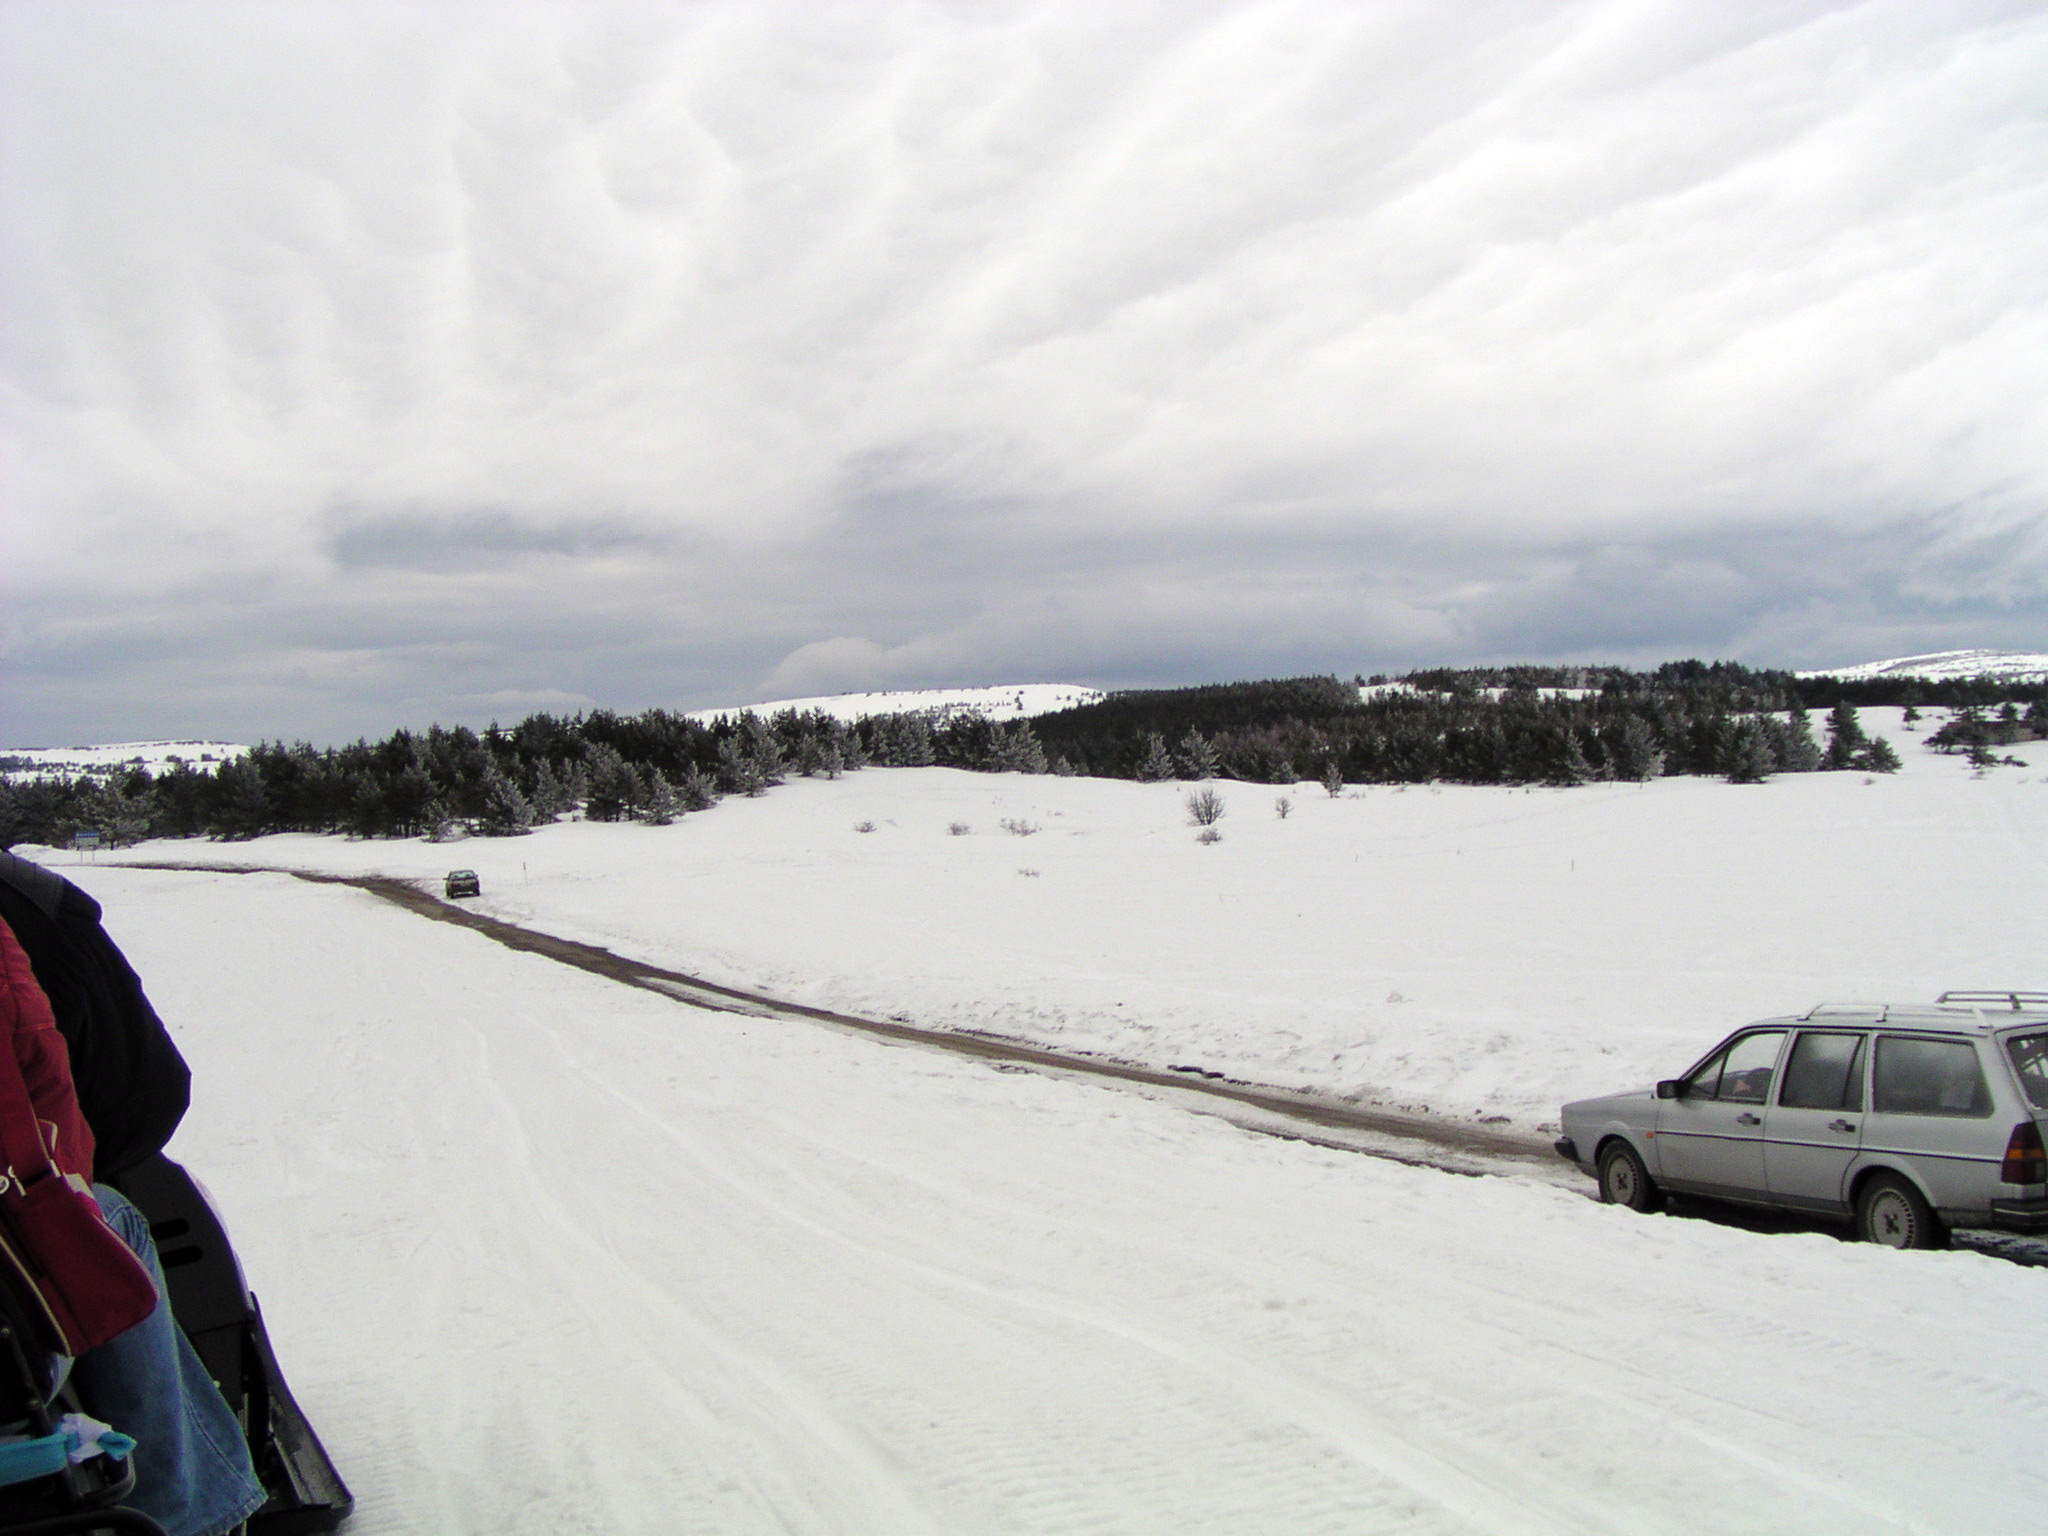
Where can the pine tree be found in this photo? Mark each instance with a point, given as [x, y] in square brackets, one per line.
[120, 818]
[616, 787]
[759, 744]
[1157, 763]
[1879, 757]
[1016, 750]
[1572, 767]
[1197, 756]
[549, 796]
[915, 743]
[738, 773]
[699, 790]
[1845, 738]
[1750, 759]
[658, 808]
[1797, 751]
[1638, 758]
[506, 812]
[1333, 777]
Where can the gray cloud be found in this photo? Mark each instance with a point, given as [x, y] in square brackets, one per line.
[469, 541]
[408, 358]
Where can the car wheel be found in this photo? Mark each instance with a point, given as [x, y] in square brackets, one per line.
[1625, 1181]
[1892, 1212]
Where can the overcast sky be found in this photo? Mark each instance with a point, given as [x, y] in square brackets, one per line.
[366, 365]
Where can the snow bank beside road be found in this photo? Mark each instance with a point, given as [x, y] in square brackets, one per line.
[545, 1254]
[1480, 952]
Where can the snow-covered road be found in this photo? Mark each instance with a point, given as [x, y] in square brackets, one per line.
[543, 1253]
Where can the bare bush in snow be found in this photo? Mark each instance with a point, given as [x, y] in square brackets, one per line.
[1205, 808]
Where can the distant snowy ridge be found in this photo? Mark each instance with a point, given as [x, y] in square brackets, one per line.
[1947, 664]
[1014, 701]
[71, 762]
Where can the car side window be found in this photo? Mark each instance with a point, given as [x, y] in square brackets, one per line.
[2030, 1059]
[1824, 1072]
[1705, 1082]
[1928, 1077]
[1746, 1078]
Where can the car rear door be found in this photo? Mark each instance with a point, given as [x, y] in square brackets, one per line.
[1814, 1127]
[1931, 1112]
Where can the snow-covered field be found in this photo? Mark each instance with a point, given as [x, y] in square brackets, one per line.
[544, 1254]
[156, 756]
[1476, 952]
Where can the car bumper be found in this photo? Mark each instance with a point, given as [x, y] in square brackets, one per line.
[2020, 1215]
[1566, 1149]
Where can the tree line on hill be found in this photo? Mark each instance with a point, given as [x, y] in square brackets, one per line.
[1504, 725]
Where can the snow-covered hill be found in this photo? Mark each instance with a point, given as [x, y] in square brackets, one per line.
[156, 756]
[2017, 665]
[1014, 701]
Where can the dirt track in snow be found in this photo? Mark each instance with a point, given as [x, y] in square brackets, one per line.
[1426, 1141]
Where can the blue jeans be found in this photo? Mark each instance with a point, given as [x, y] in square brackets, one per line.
[192, 1471]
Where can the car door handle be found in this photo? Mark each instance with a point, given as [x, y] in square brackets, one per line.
[1746, 1118]
[1840, 1125]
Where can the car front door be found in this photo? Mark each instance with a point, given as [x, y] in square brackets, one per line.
[1814, 1127]
[1710, 1139]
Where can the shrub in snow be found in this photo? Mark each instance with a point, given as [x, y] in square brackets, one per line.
[1205, 808]
[1208, 835]
[1333, 778]
[959, 828]
[863, 826]
[1283, 807]
[1018, 827]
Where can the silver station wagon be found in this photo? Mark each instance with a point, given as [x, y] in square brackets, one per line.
[1909, 1121]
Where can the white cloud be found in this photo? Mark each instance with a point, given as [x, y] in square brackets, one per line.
[722, 320]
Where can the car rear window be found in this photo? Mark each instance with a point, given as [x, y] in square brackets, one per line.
[1824, 1072]
[2030, 1059]
[1928, 1077]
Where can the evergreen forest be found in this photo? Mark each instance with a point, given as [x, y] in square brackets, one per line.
[1495, 725]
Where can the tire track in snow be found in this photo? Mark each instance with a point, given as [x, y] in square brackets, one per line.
[1418, 1140]
[1398, 1460]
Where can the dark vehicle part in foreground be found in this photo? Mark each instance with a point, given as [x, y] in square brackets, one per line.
[1907, 1121]
[225, 1324]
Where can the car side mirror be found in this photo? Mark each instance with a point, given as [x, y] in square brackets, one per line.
[1671, 1088]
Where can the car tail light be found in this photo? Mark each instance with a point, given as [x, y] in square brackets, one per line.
[2026, 1160]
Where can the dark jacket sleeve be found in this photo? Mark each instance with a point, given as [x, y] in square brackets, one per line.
[132, 1084]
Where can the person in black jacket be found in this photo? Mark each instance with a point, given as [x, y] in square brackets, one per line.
[132, 1084]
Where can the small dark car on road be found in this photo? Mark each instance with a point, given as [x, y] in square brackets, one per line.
[462, 882]
[1908, 1121]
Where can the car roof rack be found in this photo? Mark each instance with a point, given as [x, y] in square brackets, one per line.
[1954, 1010]
[2018, 1002]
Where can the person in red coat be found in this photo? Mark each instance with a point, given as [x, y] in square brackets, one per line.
[192, 1469]
[31, 1029]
